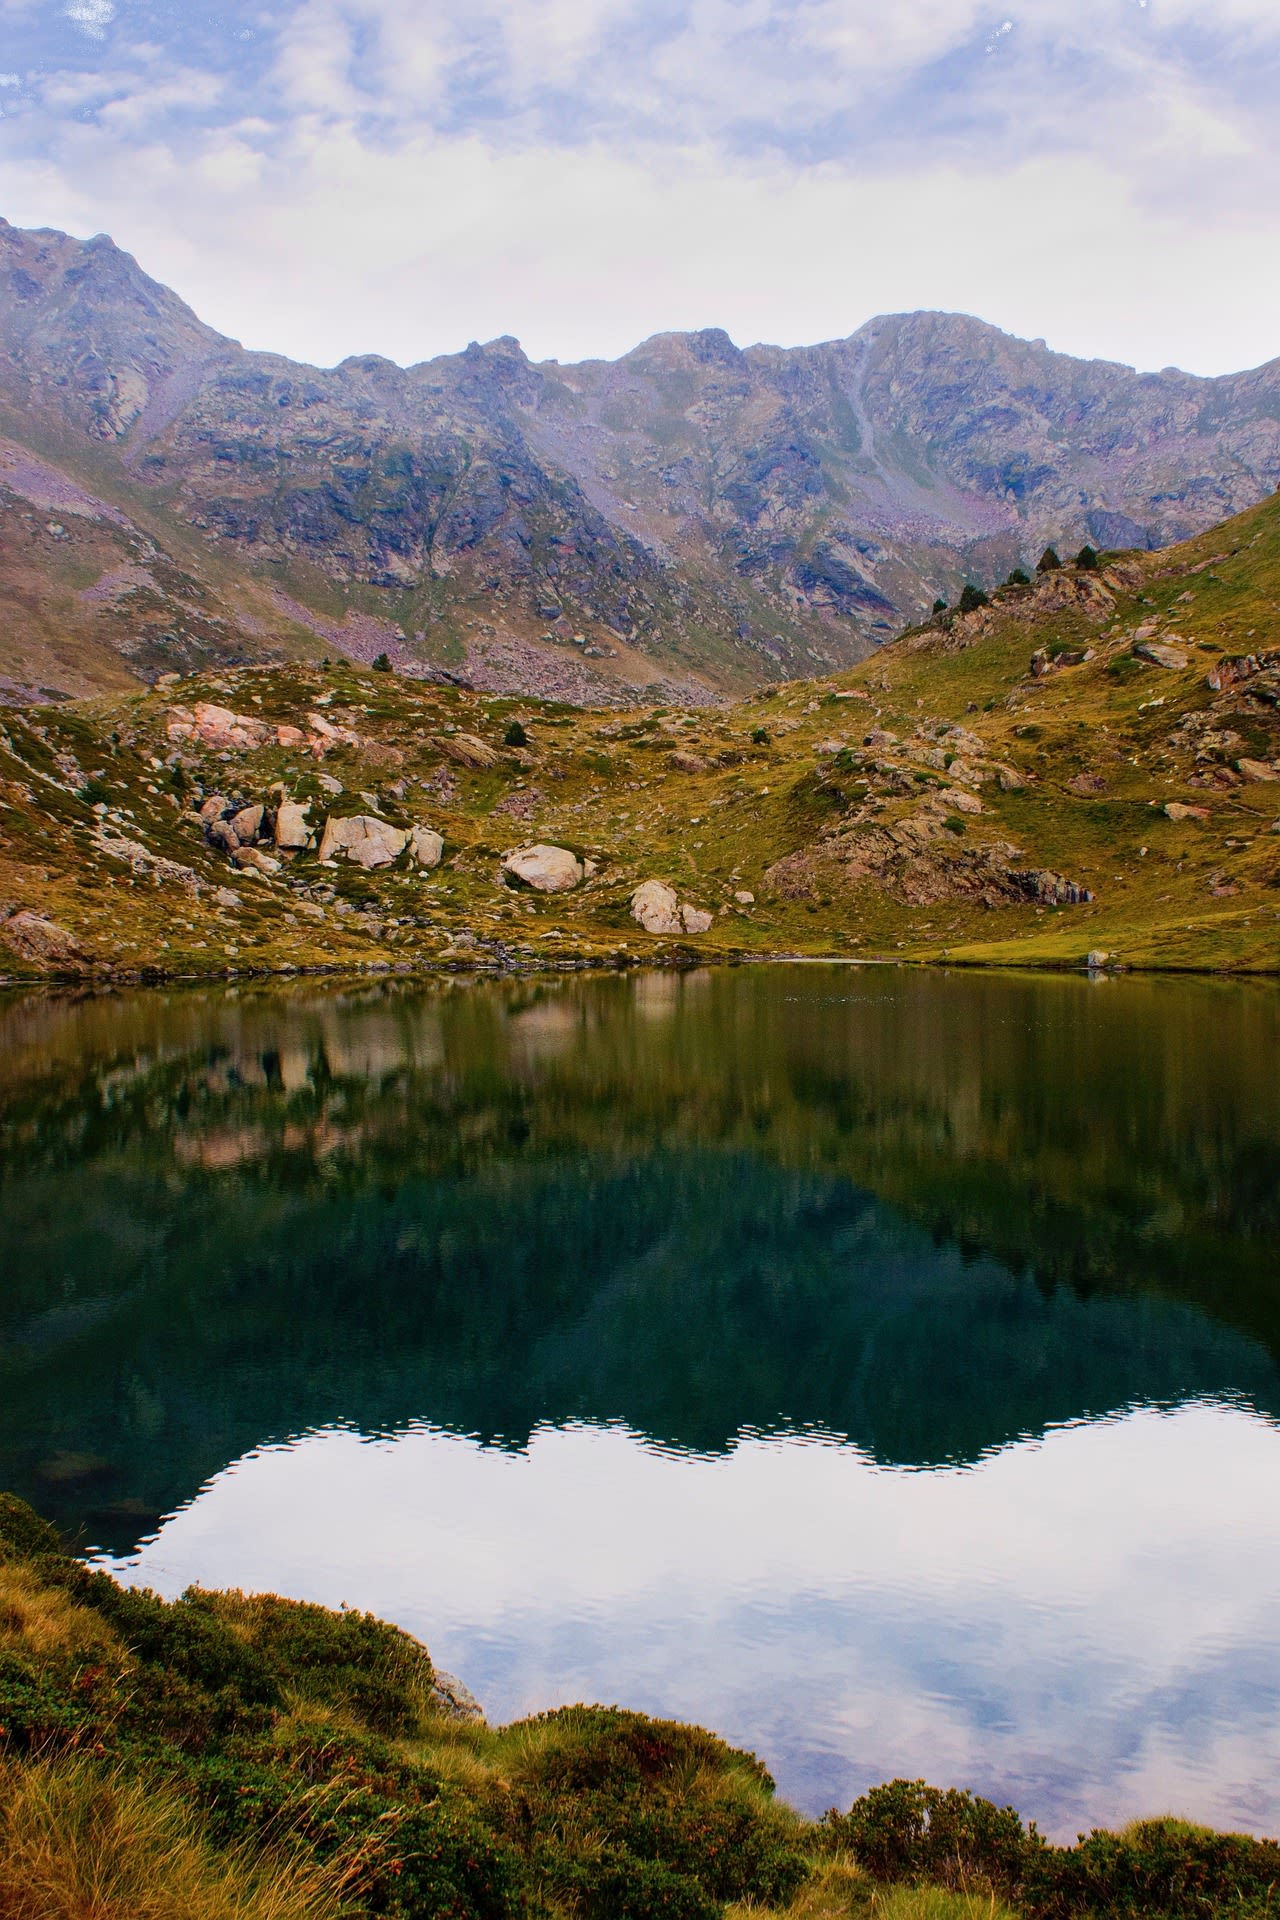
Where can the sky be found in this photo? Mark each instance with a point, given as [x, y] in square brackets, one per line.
[326, 177]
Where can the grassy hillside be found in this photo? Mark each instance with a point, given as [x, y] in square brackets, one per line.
[225, 1757]
[1088, 764]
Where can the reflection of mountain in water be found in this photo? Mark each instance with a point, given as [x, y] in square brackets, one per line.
[238, 1222]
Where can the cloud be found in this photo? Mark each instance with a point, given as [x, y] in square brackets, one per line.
[582, 171]
[95, 16]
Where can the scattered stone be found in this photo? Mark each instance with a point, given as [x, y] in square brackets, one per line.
[39, 940]
[962, 802]
[695, 919]
[1087, 783]
[1098, 961]
[1257, 770]
[1160, 654]
[1009, 780]
[292, 830]
[426, 846]
[226, 897]
[247, 824]
[745, 899]
[290, 736]
[545, 869]
[657, 907]
[364, 838]
[466, 750]
[880, 737]
[1050, 889]
[217, 727]
[685, 762]
[330, 783]
[216, 804]
[1179, 810]
[255, 859]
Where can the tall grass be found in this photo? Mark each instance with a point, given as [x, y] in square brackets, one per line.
[80, 1843]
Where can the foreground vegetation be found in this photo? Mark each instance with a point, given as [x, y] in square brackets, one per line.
[230, 1758]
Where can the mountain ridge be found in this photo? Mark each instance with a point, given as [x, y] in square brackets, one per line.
[686, 521]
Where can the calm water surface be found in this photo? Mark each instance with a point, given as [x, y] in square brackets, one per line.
[880, 1368]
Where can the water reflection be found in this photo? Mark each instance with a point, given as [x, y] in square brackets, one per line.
[647, 1281]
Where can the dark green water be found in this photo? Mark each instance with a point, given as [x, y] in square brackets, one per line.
[883, 1368]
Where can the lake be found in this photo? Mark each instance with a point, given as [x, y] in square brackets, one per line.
[879, 1367]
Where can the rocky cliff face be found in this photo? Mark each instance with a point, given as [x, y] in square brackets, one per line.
[691, 513]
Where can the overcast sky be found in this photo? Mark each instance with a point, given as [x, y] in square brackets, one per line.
[325, 177]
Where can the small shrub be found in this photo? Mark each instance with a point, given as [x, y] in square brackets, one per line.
[1088, 559]
[939, 606]
[1018, 578]
[759, 737]
[954, 823]
[515, 736]
[382, 663]
[913, 1832]
[972, 598]
[1048, 562]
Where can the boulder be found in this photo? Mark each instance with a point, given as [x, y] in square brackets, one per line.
[37, 939]
[656, 907]
[685, 762]
[216, 804]
[253, 859]
[293, 831]
[1179, 810]
[452, 1700]
[466, 750]
[545, 869]
[695, 919]
[1159, 654]
[247, 824]
[1257, 770]
[217, 727]
[1009, 780]
[426, 846]
[364, 838]
[745, 899]
[962, 802]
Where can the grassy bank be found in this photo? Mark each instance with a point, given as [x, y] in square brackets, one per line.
[1087, 763]
[230, 1758]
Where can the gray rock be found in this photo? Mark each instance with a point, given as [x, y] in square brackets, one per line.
[426, 846]
[657, 907]
[293, 830]
[454, 1701]
[545, 869]
[1158, 654]
[364, 838]
[247, 824]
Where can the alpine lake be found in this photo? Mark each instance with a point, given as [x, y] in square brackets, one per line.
[879, 1367]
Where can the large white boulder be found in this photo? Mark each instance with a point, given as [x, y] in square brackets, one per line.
[426, 846]
[545, 869]
[657, 907]
[293, 831]
[364, 838]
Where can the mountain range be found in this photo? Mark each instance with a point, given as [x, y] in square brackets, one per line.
[683, 523]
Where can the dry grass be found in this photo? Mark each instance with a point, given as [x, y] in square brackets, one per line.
[840, 1890]
[46, 1623]
[78, 1843]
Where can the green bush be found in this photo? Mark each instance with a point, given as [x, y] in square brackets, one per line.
[759, 737]
[1087, 558]
[1048, 561]
[939, 606]
[515, 736]
[909, 1831]
[1018, 578]
[972, 598]
[1159, 1868]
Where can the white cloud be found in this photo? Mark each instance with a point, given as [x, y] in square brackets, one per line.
[95, 16]
[580, 172]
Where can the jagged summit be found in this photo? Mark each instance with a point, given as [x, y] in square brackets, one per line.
[696, 514]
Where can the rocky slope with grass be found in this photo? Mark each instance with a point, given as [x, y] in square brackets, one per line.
[233, 1757]
[690, 519]
[1083, 769]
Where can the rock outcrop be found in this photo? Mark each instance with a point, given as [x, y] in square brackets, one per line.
[364, 838]
[658, 909]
